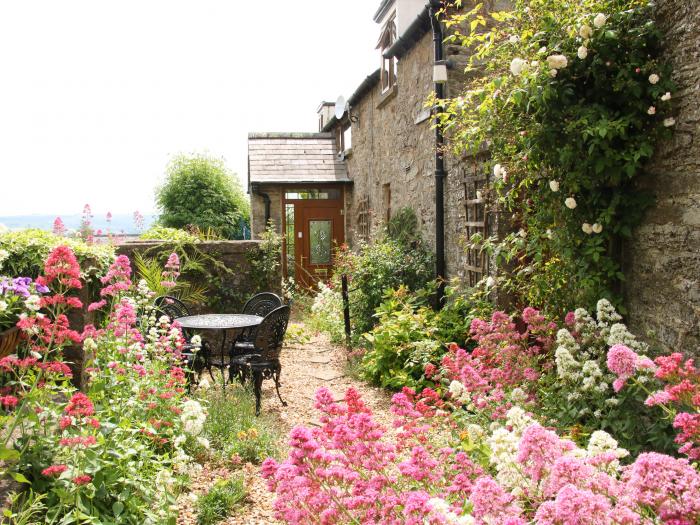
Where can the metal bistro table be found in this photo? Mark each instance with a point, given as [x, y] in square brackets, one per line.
[220, 322]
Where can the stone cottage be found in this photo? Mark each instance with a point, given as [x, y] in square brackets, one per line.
[377, 154]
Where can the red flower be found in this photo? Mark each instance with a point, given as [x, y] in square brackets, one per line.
[62, 266]
[82, 480]
[54, 470]
[9, 401]
[80, 405]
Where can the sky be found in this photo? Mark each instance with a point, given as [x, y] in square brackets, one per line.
[96, 95]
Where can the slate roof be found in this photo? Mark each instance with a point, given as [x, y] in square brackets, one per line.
[294, 158]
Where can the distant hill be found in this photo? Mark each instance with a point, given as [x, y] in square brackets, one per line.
[121, 223]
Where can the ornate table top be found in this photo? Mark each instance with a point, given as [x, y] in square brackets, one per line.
[219, 321]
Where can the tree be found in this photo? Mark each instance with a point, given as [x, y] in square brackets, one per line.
[200, 191]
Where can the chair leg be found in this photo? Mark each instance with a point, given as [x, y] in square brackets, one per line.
[257, 388]
[276, 377]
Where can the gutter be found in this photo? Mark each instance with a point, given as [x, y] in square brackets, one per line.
[413, 33]
[368, 83]
[440, 173]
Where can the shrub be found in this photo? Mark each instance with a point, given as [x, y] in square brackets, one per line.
[220, 500]
[200, 191]
[377, 268]
[327, 313]
[174, 235]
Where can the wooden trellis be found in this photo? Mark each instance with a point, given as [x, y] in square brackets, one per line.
[476, 215]
[363, 219]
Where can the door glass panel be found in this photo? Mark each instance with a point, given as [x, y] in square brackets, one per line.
[320, 239]
[290, 238]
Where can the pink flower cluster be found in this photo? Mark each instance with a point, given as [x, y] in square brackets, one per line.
[171, 272]
[349, 470]
[680, 396]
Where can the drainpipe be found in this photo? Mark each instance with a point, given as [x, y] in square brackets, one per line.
[440, 173]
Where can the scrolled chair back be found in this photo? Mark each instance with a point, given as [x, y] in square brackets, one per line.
[172, 307]
[262, 304]
[270, 333]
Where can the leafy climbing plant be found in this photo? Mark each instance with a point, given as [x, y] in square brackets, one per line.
[569, 98]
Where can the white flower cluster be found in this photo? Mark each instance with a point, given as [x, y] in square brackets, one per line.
[441, 512]
[193, 417]
[4, 254]
[500, 173]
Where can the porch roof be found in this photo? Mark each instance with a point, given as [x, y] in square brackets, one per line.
[293, 158]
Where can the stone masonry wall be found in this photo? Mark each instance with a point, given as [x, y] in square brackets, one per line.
[662, 261]
[257, 207]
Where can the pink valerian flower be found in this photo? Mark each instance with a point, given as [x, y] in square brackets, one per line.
[138, 220]
[491, 503]
[61, 266]
[79, 406]
[118, 277]
[59, 229]
[688, 426]
[171, 272]
[97, 305]
[622, 361]
[539, 448]
[576, 506]
[9, 401]
[83, 441]
[54, 471]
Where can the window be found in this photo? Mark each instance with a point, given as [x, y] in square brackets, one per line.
[347, 137]
[310, 194]
[388, 65]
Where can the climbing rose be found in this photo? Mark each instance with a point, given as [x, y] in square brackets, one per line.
[570, 203]
[599, 20]
[653, 78]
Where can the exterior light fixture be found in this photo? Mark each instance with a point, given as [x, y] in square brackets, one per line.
[440, 72]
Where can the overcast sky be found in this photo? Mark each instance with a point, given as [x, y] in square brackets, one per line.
[95, 96]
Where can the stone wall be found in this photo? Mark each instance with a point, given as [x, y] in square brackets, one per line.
[662, 261]
[257, 209]
[228, 290]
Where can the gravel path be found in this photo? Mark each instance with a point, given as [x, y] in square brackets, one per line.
[305, 368]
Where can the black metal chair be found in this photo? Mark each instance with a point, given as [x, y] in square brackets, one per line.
[196, 361]
[262, 361]
[260, 304]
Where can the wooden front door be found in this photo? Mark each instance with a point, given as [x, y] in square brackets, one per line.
[319, 231]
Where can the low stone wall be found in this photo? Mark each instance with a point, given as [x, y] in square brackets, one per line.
[230, 284]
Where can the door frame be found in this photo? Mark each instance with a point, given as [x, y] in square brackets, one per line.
[338, 204]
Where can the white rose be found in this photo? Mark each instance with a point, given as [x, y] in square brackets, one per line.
[597, 227]
[552, 73]
[517, 66]
[599, 20]
[570, 203]
[666, 97]
[499, 172]
[651, 110]
[586, 228]
[585, 31]
[582, 52]
[554, 185]
[668, 122]
[653, 78]
[557, 61]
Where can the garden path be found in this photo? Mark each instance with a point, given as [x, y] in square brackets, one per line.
[306, 366]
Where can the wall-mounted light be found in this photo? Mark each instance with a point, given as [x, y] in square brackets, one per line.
[440, 72]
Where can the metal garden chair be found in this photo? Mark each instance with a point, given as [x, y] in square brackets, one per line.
[262, 360]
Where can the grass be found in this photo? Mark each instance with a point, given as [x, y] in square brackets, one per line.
[233, 430]
[221, 499]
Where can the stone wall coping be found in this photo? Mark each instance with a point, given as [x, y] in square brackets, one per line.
[226, 246]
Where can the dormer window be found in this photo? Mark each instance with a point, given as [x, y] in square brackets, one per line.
[388, 65]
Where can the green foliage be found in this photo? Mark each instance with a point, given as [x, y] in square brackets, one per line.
[403, 227]
[233, 430]
[27, 250]
[266, 260]
[174, 235]
[200, 191]
[25, 508]
[377, 268]
[410, 334]
[220, 500]
[326, 313]
[570, 109]
[151, 270]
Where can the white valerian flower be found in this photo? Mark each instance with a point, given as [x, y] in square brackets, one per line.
[557, 61]
[513, 39]
[542, 50]
[553, 73]
[670, 121]
[653, 78]
[196, 340]
[33, 302]
[599, 20]
[518, 395]
[490, 282]
[585, 31]
[554, 185]
[193, 417]
[535, 63]
[204, 384]
[582, 52]
[570, 203]
[651, 110]
[203, 442]
[3, 306]
[586, 228]
[666, 96]
[522, 233]
[597, 227]
[517, 66]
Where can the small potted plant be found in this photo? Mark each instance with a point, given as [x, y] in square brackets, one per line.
[16, 296]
